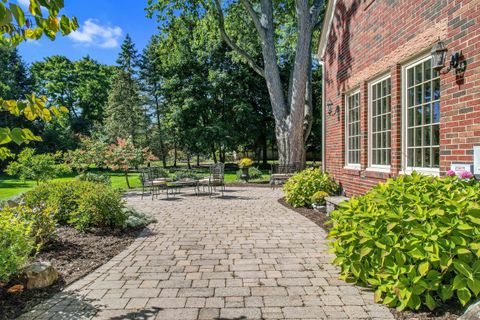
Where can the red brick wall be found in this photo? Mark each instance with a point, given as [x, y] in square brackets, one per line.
[370, 38]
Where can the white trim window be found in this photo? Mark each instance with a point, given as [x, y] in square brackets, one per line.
[352, 129]
[421, 117]
[380, 124]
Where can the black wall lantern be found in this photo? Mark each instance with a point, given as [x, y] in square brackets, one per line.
[330, 110]
[439, 55]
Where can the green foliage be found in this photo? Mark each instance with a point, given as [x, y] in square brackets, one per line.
[16, 243]
[253, 172]
[137, 220]
[81, 204]
[187, 174]
[38, 167]
[42, 222]
[300, 188]
[414, 239]
[95, 177]
[90, 153]
[17, 26]
[124, 155]
[318, 198]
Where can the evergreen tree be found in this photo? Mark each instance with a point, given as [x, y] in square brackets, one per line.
[151, 83]
[125, 116]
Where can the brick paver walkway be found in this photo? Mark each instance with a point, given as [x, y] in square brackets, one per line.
[243, 256]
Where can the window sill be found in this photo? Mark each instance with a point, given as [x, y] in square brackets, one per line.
[384, 169]
[352, 170]
[426, 171]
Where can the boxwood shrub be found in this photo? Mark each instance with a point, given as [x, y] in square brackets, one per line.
[414, 239]
[81, 204]
[300, 188]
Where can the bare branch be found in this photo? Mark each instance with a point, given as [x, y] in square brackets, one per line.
[232, 44]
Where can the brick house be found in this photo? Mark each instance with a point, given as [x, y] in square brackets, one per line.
[387, 110]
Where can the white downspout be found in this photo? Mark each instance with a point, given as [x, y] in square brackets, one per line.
[322, 63]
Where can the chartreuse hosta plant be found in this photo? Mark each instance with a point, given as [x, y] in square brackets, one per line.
[43, 18]
[415, 240]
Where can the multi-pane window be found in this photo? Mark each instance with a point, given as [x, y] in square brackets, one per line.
[352, 124]
[380, 123]
[423, 115]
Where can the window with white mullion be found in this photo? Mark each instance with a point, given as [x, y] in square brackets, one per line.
[380, 123]
[352, 128]
[422, 116]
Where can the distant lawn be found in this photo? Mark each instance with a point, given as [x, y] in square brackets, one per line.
[11, 187]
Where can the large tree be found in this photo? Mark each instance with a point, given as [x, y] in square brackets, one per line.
[290, 97]
[152, 78]
[125, 116]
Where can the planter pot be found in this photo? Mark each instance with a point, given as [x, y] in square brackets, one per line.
[245, 176]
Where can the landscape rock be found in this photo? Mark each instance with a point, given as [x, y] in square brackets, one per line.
[472, 313]
[41, 275]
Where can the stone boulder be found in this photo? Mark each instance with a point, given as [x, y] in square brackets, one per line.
[472, 313]
[41, 275]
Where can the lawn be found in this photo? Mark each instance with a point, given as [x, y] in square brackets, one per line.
[11, 187]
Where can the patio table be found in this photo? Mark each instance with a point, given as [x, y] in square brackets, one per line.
[175, 186]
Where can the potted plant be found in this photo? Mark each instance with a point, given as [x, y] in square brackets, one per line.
[245, 164]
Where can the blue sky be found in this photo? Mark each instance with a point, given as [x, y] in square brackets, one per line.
[103, 26]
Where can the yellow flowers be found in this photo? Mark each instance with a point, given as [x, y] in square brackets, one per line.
[245, 163]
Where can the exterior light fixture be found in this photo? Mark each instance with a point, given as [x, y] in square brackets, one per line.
[439, 54]
[330, 107]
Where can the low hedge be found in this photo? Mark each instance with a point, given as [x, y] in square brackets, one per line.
[300, 188]
[414, 239]
[81, 204]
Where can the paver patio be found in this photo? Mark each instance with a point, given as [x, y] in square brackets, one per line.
[243, 256]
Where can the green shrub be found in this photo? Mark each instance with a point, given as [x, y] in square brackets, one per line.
[81, 204]
[137, 220]
[414, 239]
[253, 172]
[94, 177]
[16, 243]
[179, 175]
[42, 222]
[318, 198]
[300, 188]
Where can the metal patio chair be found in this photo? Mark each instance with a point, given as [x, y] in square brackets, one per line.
[215, 179]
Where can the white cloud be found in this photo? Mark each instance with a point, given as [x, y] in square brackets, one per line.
[24, 3]
[94, 34]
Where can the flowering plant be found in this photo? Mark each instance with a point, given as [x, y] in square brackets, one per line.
[465, 175]
[245, 163]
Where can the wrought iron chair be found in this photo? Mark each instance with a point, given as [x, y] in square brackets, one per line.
[153, 180]
[283, 172]
[215, 179]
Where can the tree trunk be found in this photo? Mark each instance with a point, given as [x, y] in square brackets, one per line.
[214, 155]
[265, 151]
[175, 155]
[189, 165]
[198, 160]
[126, 179]
[292, 127]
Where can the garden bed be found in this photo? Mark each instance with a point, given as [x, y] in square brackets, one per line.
[74, 254]
[447, 312]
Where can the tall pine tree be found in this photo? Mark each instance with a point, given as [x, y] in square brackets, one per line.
[125, 116]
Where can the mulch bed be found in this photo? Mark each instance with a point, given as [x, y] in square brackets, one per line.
[74, 254]
[447, 312]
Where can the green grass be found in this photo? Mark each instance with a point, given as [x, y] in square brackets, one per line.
[11, 187]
